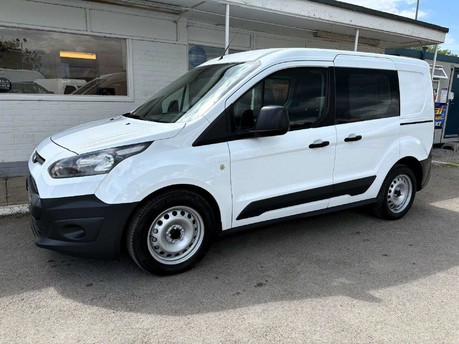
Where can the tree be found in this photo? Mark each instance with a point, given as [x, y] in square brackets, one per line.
[431, 49]
[13, 55]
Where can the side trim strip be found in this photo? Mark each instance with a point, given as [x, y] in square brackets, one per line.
[352, 188]
[410, 123]
[298, 216]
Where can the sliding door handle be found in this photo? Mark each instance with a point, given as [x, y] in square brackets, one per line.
[319, 144]
[352, 138]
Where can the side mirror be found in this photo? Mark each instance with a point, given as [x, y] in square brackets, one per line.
[273, 120]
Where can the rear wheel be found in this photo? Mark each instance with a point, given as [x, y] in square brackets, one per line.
[397, 193]
[171, 233]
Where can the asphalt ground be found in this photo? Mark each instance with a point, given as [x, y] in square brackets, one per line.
[346, 277]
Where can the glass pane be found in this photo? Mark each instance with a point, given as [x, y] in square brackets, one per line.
[366, 94]
[302, 91]
[190, 96]
[36, 61]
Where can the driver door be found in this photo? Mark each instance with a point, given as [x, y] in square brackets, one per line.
[279, 176]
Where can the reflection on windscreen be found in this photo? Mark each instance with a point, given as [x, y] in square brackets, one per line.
[203, 85]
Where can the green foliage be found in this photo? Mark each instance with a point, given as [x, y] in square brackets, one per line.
[431, 49]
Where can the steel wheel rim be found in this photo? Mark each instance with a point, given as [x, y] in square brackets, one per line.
[399, 193]
[175, 235]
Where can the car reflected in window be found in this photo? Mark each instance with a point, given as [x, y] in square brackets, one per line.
[106, 85]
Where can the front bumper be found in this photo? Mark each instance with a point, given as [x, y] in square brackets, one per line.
[80, 225]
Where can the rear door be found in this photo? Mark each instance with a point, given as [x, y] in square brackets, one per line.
[367, 125]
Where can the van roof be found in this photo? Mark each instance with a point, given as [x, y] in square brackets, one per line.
[272, 56]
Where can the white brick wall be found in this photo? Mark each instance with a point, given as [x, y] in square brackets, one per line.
[155, 66]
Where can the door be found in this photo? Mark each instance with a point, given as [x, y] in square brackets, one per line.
[368, 129]
[283, 175]
[452, 120]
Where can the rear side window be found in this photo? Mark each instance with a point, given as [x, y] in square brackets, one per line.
[366, 94]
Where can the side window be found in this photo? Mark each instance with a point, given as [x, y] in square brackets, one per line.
[366, 94]
[302, 91]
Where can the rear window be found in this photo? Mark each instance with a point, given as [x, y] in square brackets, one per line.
[366, 94]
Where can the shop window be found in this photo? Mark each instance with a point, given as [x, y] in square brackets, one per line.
[38, 62]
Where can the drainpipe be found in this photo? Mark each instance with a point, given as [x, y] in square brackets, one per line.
[356, 43]
[227, 29]
[434, 61]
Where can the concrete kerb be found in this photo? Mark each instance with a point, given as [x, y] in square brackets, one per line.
[14, 209]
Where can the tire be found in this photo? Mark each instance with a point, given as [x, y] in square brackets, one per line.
[170, 233]
[396, 194]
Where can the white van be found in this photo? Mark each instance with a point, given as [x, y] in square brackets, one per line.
[242, 140]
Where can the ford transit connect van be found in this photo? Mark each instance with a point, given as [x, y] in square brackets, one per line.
[241, 140]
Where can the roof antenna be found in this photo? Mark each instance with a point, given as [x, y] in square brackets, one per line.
[229, 44]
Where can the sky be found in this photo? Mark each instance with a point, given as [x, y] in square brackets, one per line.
[439, 12]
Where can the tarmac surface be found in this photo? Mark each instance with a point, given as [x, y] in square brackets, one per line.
[346, 277]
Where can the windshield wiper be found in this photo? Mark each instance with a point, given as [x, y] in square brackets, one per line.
[131, 115]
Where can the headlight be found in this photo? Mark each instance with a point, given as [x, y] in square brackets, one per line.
[99, 162]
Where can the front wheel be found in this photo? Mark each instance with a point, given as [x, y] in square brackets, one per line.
[171, 233]
[397, 193]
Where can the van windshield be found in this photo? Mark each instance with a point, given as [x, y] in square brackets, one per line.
[190, 96]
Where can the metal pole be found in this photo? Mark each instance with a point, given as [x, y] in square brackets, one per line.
[227, 29]
[356, 43]
[434, 62]
[417, 11]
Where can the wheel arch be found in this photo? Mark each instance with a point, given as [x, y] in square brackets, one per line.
[182, 187]
[415, 165]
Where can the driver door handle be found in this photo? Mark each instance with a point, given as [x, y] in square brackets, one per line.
[319, 144]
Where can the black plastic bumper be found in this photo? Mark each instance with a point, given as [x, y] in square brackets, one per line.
[426, 166]
[80, 225]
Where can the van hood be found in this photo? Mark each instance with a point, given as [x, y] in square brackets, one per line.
[113, 132]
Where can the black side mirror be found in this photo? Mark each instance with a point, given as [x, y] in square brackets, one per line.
[273, 120]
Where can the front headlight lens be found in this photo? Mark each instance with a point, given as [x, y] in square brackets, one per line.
[99, 162]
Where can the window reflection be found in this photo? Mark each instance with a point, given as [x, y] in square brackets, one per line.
[41, 62]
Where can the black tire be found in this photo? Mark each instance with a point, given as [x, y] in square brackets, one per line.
[396, 194]
[170, 233]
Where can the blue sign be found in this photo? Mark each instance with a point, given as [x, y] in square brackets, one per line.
[196, 56]
[440, 113]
